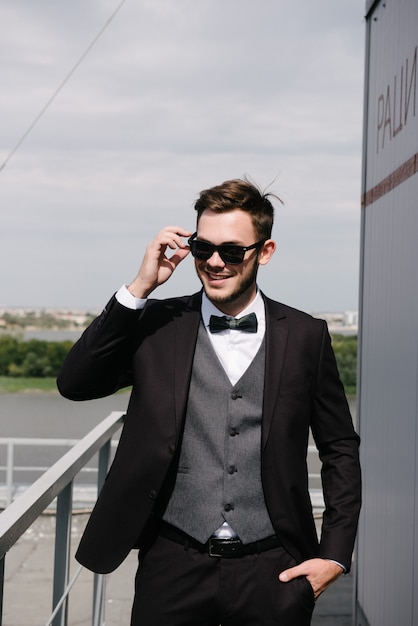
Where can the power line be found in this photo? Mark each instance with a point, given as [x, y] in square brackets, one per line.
[61, 86]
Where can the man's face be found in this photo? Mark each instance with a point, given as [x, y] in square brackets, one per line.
[230, 287]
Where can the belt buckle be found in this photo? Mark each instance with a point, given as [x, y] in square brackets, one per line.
[213, 546]
[216, 545]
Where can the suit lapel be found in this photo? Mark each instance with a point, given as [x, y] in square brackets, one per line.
[276, 341]
[185, 343]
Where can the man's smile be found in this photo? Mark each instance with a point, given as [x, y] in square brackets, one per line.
[216, 277]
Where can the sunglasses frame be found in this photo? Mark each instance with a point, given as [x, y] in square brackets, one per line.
[221, 250]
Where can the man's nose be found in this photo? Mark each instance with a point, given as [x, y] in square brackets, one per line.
[215, 260]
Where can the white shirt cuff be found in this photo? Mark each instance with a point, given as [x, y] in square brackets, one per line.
[124, 297]
[340, 564]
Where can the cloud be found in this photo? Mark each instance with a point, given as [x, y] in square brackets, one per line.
[175, 97]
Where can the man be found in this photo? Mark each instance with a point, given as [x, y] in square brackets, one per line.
[210, 477]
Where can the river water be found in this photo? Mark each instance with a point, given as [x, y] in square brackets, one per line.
[41, 414]
[48, 415]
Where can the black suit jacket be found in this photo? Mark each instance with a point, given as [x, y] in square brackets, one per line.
[153, 350]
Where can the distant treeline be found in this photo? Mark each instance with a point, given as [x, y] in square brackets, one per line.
[36, 358]
[345, 348]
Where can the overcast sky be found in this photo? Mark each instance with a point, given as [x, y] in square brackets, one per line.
[174, 97]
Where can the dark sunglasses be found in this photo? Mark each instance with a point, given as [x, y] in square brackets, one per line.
[229, 252]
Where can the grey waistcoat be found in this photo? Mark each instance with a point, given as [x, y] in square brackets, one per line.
[219, 472]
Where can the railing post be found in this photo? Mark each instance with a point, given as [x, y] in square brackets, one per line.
[9, 472]
[103, 465]
[99, 579]
[1, 588]
[62, 553]
[98, 599]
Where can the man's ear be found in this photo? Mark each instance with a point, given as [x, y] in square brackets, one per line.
[266, 252]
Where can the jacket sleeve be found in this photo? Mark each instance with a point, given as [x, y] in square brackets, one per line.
[338, 445]
[99, 363]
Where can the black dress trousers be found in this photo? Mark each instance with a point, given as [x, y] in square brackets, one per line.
[179, 586]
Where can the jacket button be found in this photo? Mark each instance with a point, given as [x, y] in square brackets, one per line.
[228, 507]
[232, 469]
[153, 494]
[172, 448]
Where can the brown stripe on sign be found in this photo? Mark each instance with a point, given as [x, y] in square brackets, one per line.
[402, 173]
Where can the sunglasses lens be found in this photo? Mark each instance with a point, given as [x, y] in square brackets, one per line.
[231, 254]
[201, 250]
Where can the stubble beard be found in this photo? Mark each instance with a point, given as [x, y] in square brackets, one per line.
[240, 290]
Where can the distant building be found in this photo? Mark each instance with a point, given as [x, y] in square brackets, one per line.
[351, 318]
[343, 322]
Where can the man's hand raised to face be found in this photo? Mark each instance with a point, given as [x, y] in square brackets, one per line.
[156, 267]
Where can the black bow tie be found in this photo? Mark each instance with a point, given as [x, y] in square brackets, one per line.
[248, 323]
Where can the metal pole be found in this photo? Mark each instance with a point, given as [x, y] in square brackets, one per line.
[1, 588]
[62, 553]
[99, 580]
[9, 472]
[98, 599]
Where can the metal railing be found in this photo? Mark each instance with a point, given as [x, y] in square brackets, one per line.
[57, 482]
[11, 487]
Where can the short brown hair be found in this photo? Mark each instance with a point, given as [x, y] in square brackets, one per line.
[244, 195]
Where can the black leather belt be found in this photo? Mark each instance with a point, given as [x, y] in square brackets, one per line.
[222, 548]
